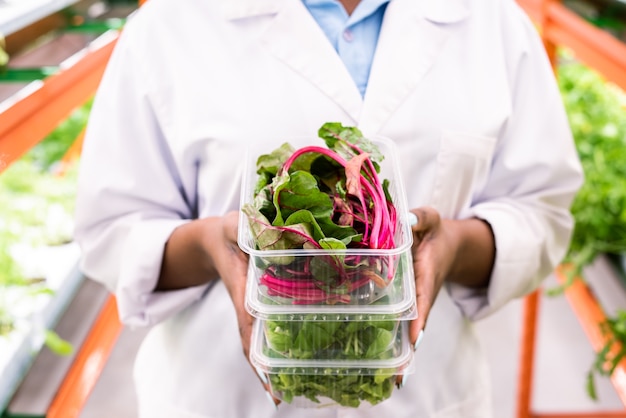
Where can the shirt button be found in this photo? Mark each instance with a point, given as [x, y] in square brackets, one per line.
[347, 35]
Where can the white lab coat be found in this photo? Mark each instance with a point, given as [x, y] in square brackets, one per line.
[462, 86]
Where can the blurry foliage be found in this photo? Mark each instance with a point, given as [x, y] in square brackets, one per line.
[610, 356]
[52, 149]
[597, 116]
[38, 195]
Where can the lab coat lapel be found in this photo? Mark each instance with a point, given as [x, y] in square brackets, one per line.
[412, 36]
[295, 38]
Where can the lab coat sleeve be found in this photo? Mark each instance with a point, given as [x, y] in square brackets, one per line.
[533, 179]
[130, 194]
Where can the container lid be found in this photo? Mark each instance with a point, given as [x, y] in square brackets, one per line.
[395, 360]
[398, 302]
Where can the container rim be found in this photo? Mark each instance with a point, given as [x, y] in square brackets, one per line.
[402, 362]
[404, 309]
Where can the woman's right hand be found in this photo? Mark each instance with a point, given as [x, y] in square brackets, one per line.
[231, 265]
[204, 250]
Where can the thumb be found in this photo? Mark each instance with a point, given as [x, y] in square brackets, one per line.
[423, 218]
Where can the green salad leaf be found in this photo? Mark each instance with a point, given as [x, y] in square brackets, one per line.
[345, 340]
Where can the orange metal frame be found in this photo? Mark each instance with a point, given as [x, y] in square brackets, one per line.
[590, 315]
[597, 48]
[88, 364]
[30, 119]
[601, 51]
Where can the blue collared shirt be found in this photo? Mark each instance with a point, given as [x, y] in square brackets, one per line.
[354, 37]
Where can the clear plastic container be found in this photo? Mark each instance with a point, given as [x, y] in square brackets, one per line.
[396, 302]
[314, 276]
[330, 339]
[340, 382]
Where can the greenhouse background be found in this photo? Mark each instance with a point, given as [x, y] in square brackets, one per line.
[559, 351]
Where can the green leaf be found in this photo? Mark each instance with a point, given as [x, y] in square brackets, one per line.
[279, 335]
[268, 237]
[298, 191]
[327, 171]
[338, 136]
[306, 217]
[591, 386]
[328, 268]
[317, 335]
[269, 164]
[343, 233]
[56, 344]
[381, 343]
[332, 244]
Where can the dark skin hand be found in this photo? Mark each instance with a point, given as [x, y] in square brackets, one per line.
[461, 251]
[204, 250]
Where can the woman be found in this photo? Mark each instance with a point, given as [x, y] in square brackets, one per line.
[464, 89]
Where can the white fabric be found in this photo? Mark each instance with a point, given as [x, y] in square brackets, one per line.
[462, 86]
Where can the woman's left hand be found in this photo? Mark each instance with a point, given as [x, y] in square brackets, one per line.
[432, 260]
[461, 251]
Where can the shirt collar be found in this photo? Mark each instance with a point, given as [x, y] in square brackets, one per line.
[366, 8]
[363, 9]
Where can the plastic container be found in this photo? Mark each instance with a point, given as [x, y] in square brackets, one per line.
[330, 339]
[397, 302]
[351, 276]
[339, 382]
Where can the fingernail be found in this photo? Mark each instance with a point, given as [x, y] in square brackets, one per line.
[412, 219]
[404, 379]
[419, 339]
[261, 375]
[270, 398]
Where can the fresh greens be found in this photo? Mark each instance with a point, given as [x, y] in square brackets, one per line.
[597, 116]
[326, 199]
[37, 194]
[348, 389]
[331, 339]
[598, 122]
[49, 153]
[609, 356]
[345, 340]
[37, 211]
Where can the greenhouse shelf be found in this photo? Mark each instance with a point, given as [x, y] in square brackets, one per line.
[18, 350]
[597, 48]
[33, 104]
[34, 111]
[18, 14]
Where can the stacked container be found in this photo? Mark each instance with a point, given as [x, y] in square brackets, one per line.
[331, 326]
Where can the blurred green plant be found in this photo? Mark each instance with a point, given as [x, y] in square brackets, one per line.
[4, 57]
[51, 150]
[37, 210]
[598, 121]
[597, 116]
